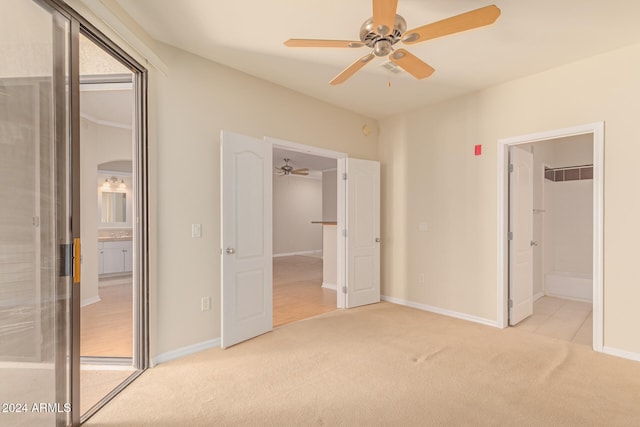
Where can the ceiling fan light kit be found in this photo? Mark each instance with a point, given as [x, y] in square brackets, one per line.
[386, 28]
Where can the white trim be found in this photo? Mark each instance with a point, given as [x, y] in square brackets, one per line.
[184, 351]
[442, 311]
[105, 87]
[92, 367]
[106, 122]
[537, 296]
[301, 148]
[621, 353]
[88, 301]
[332, 286]
[597, 130]
[312, 252]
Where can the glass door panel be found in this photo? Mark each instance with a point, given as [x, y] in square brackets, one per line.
[35, 238]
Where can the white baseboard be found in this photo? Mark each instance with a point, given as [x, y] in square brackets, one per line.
[537, 296]
[442, 311]
[184, 351]
[621, 353]
[313, 252]
[89, 301]
[330, 286]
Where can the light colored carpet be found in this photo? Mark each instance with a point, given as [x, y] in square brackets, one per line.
[385, 365]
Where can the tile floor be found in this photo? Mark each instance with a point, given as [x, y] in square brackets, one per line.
[562, 319]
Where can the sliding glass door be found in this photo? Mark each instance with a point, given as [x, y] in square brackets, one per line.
[36, 244]
[41, 171]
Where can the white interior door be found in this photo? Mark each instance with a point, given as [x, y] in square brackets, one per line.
[521, 235]
[247, 305]
[362, 243]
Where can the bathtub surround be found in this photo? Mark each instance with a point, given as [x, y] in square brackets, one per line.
[571, 285]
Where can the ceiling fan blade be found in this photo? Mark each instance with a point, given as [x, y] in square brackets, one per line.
[304, 171]
[384, 16]
[411, 64]
[322, 43]
[351, 69]
[465, 21]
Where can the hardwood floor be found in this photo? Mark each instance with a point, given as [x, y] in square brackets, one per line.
[106, 327]
[297, 289]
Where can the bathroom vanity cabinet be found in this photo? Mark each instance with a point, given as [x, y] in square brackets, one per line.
[115, 257]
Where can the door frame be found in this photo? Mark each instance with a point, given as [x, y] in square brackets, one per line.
[80, 25]
[597, 131]
[341, 204]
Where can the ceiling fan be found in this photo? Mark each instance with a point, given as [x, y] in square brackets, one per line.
[287, 169]
[384, 29]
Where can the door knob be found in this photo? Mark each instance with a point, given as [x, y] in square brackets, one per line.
[534, 243]
[231, 251]
[377, 240]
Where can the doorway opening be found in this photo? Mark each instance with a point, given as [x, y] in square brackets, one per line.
[113, 226]
[304, 235]
[550, 231]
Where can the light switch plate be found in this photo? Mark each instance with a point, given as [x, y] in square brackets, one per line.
[196, 230]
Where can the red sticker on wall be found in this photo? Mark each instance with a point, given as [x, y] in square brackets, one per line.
[478, 149]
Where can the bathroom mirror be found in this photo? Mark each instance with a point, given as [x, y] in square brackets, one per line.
[114, 207]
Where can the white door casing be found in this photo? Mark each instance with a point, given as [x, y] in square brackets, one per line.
[246, 218]
[521, 235]
[362, 240]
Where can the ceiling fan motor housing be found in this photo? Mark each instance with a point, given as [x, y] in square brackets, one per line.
[382, 45]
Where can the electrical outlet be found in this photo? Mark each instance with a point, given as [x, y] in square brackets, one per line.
[205, 303]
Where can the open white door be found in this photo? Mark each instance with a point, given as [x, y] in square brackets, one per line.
[362, 246]
[246, 168]
[521, 235]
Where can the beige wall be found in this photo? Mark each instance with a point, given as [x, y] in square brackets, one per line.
[297, 201]
[330, 195]
[430, 174]
[99, 144]
[196, 100]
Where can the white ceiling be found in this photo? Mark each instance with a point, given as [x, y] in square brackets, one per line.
[107, 104]
[530, 36]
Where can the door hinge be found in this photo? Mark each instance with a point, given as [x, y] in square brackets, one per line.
[510, 167]
[344, 233]
[344, 176]
[510, 235]
[510, 303]
[344, 289]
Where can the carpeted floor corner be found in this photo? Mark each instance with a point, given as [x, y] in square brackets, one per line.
[385, 365]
